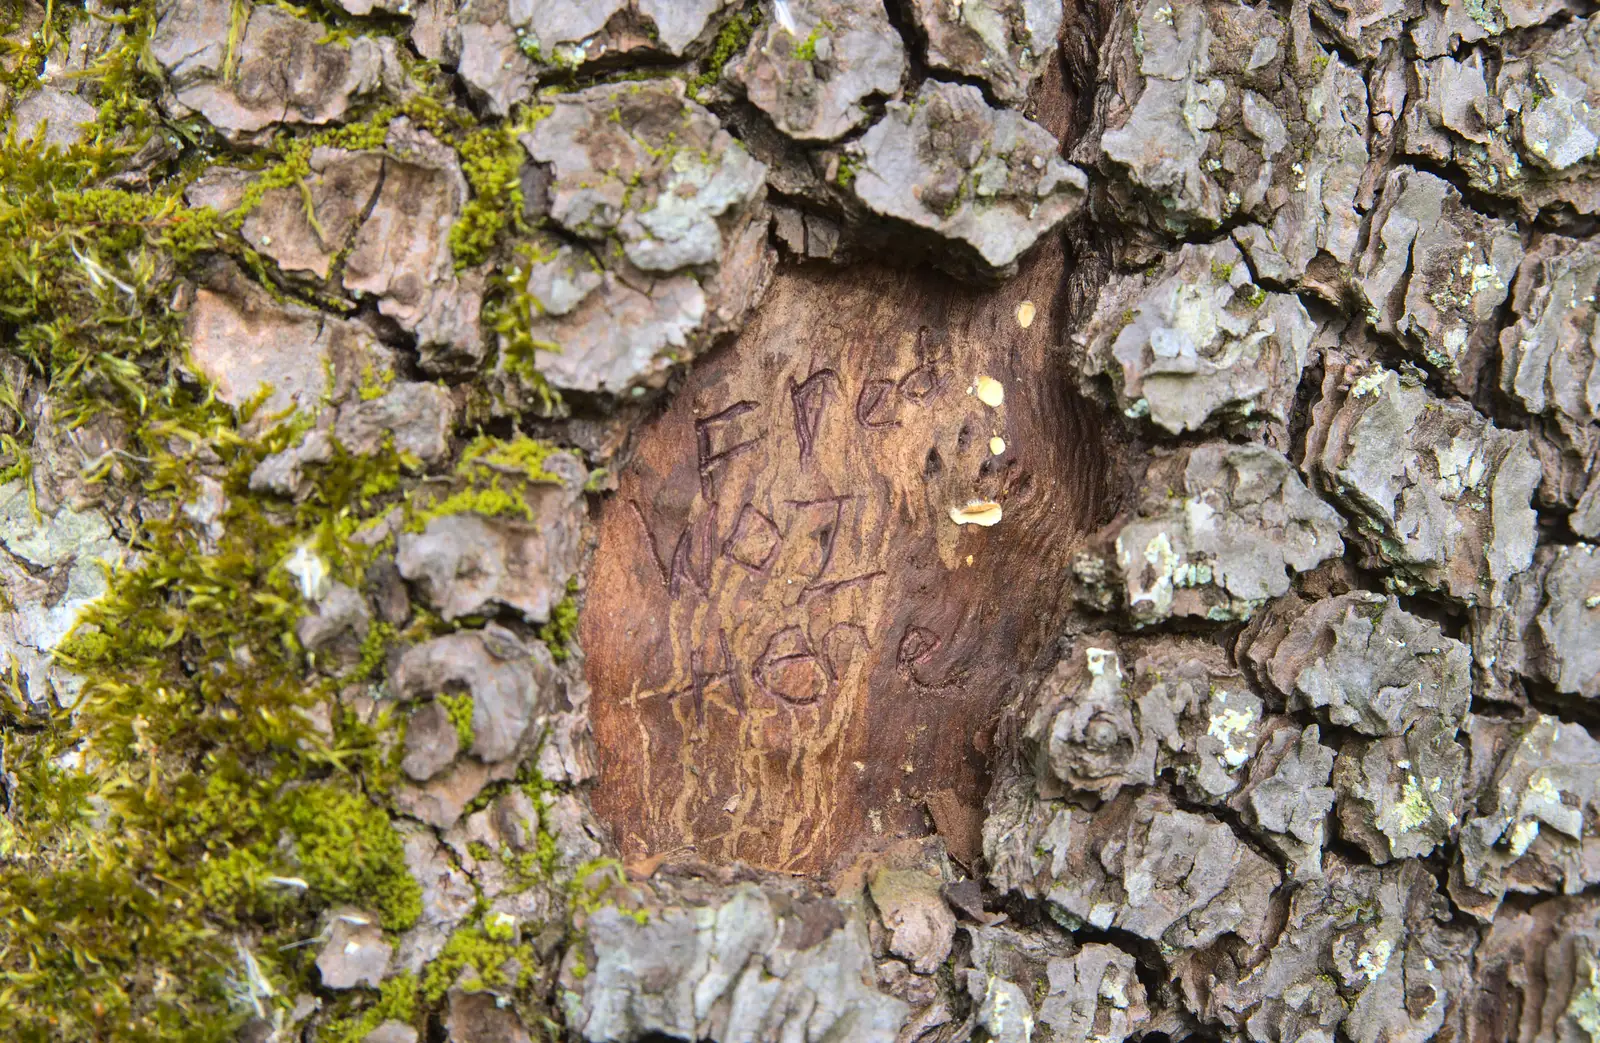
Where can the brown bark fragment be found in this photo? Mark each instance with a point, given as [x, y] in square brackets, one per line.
[794, 648]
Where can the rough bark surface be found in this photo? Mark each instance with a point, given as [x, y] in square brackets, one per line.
[753, 520]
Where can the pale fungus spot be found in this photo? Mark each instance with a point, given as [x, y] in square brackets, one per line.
[1372, 964]
[990, 392]
[310, 572]
[976, 512]
[997, 445]
[1025, 313]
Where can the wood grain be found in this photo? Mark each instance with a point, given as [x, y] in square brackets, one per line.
[792, 646]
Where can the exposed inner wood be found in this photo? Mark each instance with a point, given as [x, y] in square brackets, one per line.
[796, 648]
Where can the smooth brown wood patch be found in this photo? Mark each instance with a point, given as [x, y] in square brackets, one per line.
[794, 651]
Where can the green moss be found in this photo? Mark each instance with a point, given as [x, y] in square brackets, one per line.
[350, 852]
[1221, 272]
[492, 160]
[849, 167]
[733, 37]
[492, 476]
[177, 830]
[558, 631]
[396, 1001]
[459, 708]
[374, 649]
[807, 49]
[288, 163]
[478, 962]
[216, 807]
[492, 502]
[521, 455]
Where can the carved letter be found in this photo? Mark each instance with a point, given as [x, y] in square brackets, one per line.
[809, 397]
[875, 406]
[789, 669]
[712, 456]
[754, 541]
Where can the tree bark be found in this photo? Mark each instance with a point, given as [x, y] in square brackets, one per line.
[775, 519]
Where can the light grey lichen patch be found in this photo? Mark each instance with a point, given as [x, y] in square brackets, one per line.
[1547, 631]
[502, 50]
[50, 117]
[813, 65]
[726, 964]
[1217, 531]
[988, 180]
[1025, 983]
[1364, 26]
[1218, 113]
[1550, 366]
[1435, 273]
[1176, 708]
[514, 691]
[671, 203]
[50, 569]
[1137, 864]
[1364, 663]
[1569, 621]
[1532, 820]
[1439, 495]
[1361, 956]
[1527, 127]
[1400, 797]
[1285, 797]
[1003, 43]
[1194, 344]
[1310, 223]
[628, 332]
[284, 70]
[642, 163]
[412, 417]
[1361, 661]
[1445, 26]
[469, 564]
[1094, 996]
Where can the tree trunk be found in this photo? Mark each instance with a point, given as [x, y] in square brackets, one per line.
[814, 519]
